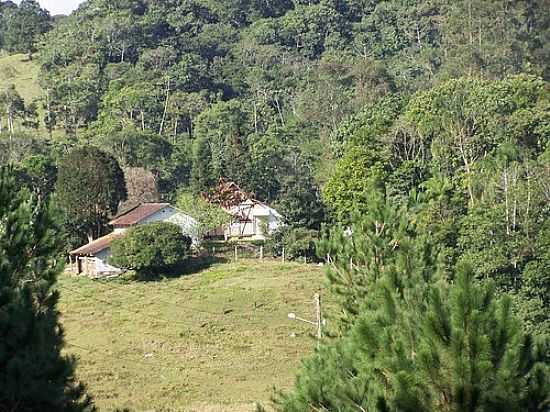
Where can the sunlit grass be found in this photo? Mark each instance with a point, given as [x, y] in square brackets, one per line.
[218, 340]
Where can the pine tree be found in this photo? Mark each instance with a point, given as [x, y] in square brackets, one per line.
[464, 351]
[376, 241]
[415, 338]
[34, 376]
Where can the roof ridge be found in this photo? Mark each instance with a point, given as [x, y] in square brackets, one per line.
[149, 208]
[103, 238]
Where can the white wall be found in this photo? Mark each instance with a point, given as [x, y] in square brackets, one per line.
[261, 217]
[102, 265]
[189, 226]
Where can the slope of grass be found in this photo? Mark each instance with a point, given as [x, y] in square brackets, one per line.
[17, 69]
[218, 340]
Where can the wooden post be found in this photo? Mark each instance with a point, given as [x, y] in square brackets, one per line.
[236, 253]
[317, 299]
[283, 255]
[261, 252]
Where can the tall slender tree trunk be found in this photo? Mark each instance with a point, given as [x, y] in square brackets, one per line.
[165, 107]
[49, 113]
[506, 200]
[528, 177]
[255, 115]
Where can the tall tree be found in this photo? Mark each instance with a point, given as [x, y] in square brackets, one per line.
[90, 187]
[414, 337]
[25, 25]
[12, 106]
[34, 375]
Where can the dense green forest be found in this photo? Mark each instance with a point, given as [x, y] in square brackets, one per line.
[307, 105]
[432, 115]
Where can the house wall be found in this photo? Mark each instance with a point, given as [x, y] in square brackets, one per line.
[102, 267]
[169, 214]
[86, 266]
[262, 219]
[273, 223]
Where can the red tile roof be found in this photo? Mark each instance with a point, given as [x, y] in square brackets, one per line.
[96, 246]
[137, 214]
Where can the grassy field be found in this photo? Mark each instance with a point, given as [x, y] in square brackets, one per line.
[218, 340]
[19, 71]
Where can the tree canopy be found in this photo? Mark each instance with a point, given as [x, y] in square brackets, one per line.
[90, 187]
[34, 374]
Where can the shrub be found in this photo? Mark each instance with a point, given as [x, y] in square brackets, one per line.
[298, 242]
[151, 249]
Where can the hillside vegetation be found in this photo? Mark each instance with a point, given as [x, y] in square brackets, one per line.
[423, 126]
[218, 340]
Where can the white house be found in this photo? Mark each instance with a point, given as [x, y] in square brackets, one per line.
[92, 259]
[252, 220]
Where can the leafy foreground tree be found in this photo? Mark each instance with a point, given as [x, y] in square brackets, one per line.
[151, 249]
[34, 376]
[415, 340]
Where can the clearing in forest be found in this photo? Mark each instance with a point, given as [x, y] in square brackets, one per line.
[218, 340]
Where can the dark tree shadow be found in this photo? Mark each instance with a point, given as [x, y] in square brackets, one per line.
[192, 265]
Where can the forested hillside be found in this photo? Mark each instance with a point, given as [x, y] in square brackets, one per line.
[404, 120]
[184, 87]
[305, 104]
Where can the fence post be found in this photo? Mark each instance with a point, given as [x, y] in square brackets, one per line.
[236, 253]
[261, 252]
[319, 319]
[283, 255]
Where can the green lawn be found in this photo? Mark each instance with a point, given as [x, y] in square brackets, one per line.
[218, 340]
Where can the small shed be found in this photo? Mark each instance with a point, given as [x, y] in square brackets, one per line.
[92, 259]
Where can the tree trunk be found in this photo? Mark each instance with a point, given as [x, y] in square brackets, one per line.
[49, 113]
[165, 108]
[506, 201]
[255, 116]
[528, 177]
